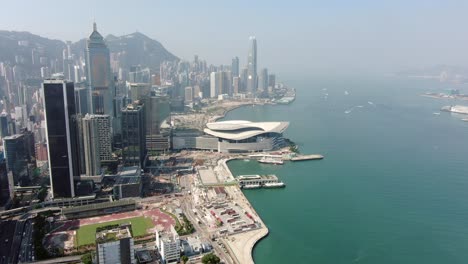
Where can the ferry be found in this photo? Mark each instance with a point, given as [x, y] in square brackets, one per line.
[274, 185]
[271, 161]
[251, 186]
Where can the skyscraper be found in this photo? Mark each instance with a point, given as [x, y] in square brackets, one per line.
[157, 109]
[272, 80]
[252, 66]
[6, 187]
[99, 75]
[59, 107]
[91, 146]
[16, 154]
[137, 91]
[235, 67]
[235, 85]
[214, 84]
[104, 137]
[4, 125]
[133, 135]
[263, 80]
[243, 80]
[188, 94]
[82, 100]
[220, 83]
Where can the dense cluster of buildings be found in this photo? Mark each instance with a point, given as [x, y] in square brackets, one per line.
[77, 118]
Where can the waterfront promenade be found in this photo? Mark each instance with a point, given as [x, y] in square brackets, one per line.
[242, 244]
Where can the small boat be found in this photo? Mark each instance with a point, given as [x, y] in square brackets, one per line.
[436, 113]
[246, 160]
[274, 185]
[270, 161]
[465, 120]
[346, 92]
[347, 111]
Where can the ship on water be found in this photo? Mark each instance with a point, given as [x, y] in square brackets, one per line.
[274, 185]
[458, 109]
[251, 186]
[271, 160]
[259, 181]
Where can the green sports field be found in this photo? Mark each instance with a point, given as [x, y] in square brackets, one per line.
[87, 234]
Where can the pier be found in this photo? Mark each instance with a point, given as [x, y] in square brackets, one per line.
[307, 157]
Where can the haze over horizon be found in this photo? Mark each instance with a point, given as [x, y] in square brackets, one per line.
[295, 36]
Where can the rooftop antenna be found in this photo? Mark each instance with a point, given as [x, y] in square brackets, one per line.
[94, 24]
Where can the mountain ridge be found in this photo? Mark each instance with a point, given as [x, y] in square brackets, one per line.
[135, 48]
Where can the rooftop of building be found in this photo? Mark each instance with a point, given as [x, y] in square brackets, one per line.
[15, 136]
[130, 171]
[168, 236]
[128, 180]
[241, 129]
[113, 233]
[97, 206]
[88, 116]
[132, 107]
[220, 190]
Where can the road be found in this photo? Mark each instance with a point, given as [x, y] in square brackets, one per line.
[17, 238]
[7, 231]
[186, 181]
[70, 259]
[26, 253]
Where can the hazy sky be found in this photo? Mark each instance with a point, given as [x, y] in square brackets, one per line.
[292, 35]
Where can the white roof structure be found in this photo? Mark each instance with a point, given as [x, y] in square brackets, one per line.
[241, 129]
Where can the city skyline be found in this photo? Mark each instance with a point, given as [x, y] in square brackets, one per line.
[306, 36]
[110, 138]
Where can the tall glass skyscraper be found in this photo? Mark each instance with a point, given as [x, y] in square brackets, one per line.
[61, 134]
[99, 75]
[133, 135]
[252, 67]
[235, 67]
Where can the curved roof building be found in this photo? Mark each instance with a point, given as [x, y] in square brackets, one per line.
[241, 130]
[246, 136]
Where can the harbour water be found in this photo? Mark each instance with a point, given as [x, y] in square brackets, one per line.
[393, 187]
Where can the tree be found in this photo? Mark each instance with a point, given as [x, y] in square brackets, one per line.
[184, 259]
[87, 258]
[210, 259]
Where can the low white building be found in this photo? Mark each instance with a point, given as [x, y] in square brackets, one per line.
[168, 244]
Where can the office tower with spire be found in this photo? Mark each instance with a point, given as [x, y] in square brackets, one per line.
[61, 134]
[99, 75]
[252, 67]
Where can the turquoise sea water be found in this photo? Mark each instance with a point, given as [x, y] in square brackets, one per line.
[393, 187]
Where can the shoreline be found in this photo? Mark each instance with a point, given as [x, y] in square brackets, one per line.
[243, 244]
[229, 109]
